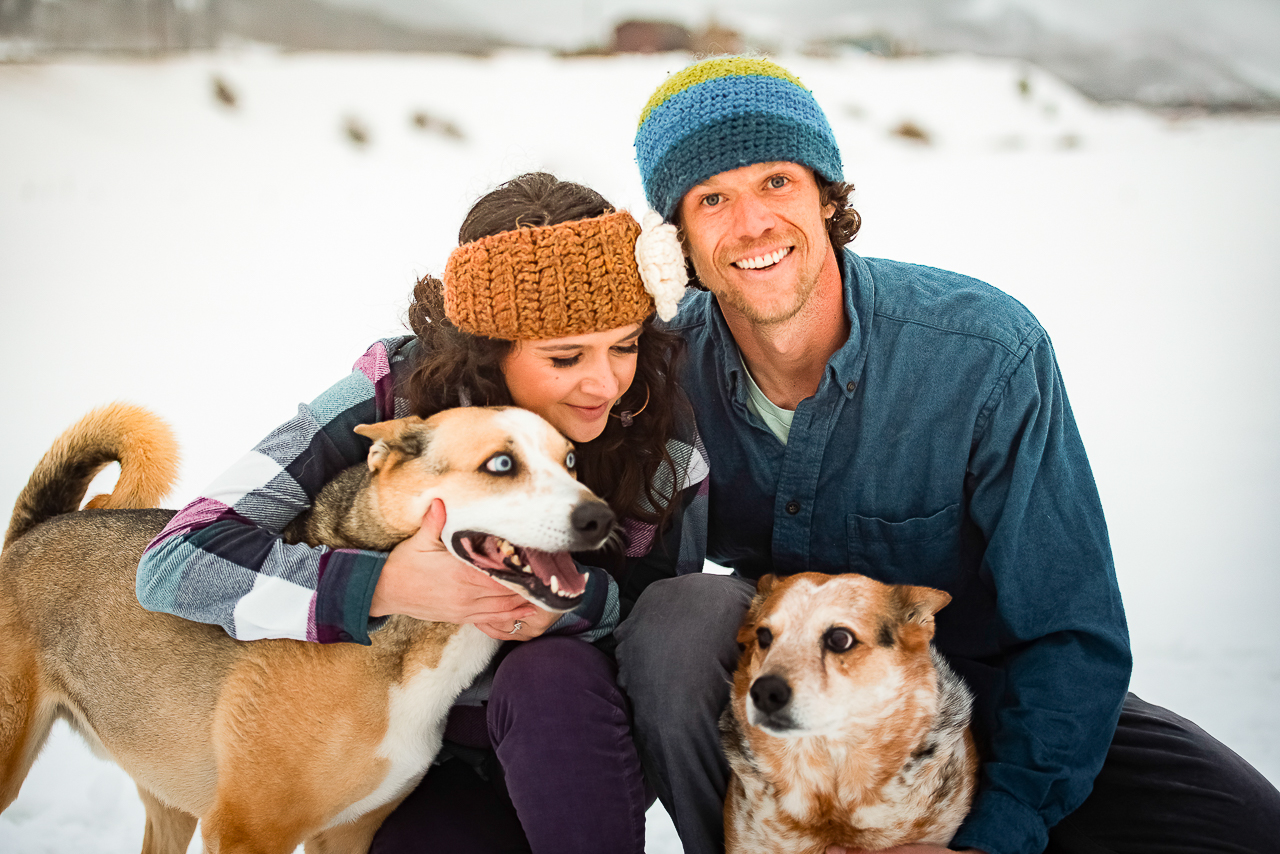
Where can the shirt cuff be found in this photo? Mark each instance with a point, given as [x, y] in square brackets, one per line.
[596, 616]
[1001, 824]
[344, 595]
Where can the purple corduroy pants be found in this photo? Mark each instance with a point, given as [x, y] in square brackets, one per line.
[562, 773]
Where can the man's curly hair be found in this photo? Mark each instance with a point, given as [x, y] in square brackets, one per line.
[845, 222]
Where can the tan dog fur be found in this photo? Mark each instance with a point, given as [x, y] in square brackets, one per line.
[866, 747]
[268, 743]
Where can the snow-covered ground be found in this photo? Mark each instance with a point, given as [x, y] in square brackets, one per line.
[220, 264]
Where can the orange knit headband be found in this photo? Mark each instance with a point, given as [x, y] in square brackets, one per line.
[548, 282]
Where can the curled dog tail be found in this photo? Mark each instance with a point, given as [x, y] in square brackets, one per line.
[140, 441]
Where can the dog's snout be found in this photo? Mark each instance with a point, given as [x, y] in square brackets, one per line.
[592, 519]
[770, 693]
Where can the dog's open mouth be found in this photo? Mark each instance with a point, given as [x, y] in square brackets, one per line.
[549, 577]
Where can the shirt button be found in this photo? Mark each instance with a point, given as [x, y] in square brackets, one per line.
[793, 507]
[851, 386]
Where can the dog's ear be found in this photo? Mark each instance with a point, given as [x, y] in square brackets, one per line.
[397, 438]
[747, 631]
[917, 605]
[921, 603]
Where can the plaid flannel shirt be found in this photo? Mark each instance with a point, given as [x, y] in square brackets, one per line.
[221, 559]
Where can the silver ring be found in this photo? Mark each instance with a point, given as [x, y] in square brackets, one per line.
[517, 627]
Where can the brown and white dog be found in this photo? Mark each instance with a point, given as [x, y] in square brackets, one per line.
[845, 727]
[269, 743]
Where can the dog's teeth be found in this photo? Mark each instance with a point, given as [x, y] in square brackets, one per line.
[555, 584]
[506, 548]
[528, 569]
[514, 558]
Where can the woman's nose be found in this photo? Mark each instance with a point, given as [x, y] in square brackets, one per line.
[601, 380]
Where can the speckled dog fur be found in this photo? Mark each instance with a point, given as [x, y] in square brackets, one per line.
[845, 726]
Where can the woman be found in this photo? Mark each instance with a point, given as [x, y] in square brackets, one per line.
[544, 305]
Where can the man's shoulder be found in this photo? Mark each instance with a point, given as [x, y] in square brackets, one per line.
[947, 302]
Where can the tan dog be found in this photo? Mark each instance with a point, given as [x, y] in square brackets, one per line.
[275, 742]
[845, 726]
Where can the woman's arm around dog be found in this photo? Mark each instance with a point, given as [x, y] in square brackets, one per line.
[421, 579]
[222, 559]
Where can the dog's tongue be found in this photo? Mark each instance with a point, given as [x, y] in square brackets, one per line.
[557, 565]
[545, 565]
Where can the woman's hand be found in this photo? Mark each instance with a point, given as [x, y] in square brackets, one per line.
[422, 579]
[530, 627]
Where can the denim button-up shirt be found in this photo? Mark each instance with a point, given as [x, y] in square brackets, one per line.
[940, 450]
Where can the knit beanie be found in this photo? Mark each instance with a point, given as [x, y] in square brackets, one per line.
[571, 278]
[722, 114]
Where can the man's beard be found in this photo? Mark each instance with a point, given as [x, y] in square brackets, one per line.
[736, 298]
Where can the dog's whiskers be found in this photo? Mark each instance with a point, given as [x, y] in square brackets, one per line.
[615, 539]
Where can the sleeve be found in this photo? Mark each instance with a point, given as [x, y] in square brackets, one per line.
[221, 559]
[1061, 627]
[682, 547]
[598, 614]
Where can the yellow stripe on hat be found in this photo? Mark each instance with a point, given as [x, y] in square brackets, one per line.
[710, 69]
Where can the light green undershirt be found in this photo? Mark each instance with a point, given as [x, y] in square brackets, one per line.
[777, 419]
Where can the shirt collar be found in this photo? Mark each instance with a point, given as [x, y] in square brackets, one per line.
[845, 365]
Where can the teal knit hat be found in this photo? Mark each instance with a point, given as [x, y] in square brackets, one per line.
[722, 114]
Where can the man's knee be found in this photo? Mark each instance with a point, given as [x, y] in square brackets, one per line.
[1167, 784]
[683, 630]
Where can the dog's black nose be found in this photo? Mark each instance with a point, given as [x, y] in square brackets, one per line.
[770, 693]
[591, 519]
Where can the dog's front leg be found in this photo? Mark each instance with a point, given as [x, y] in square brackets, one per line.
[355, 836]
[274, 824]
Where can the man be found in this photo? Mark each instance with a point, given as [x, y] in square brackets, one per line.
[863, 415]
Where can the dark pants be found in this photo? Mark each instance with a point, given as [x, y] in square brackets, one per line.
[563, 774]
[1167, 786]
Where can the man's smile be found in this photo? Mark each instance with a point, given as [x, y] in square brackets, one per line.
[761, 261]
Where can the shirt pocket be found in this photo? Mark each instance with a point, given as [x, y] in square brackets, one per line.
[924, 550]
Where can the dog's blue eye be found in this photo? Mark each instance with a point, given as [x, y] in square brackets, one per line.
[570, 461]
[764, 637]
[500, 464]
[839, 640]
